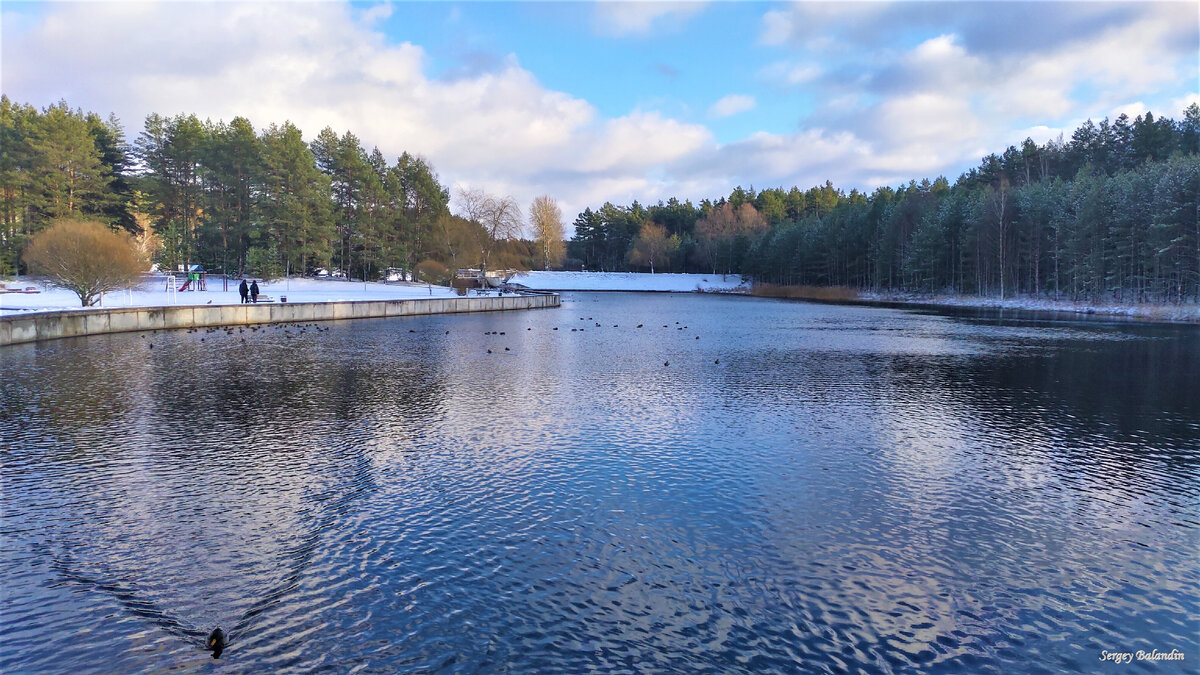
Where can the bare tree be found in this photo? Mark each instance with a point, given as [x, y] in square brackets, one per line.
[500, 218]
[546, 218]
[471, 203]
[652, 245]
[86, 257]
[720, 230]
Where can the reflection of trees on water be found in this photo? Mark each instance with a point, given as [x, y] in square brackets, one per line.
[273, 380]
[209, 449]
[70, 386]
[1120, 391]
[1022, 465]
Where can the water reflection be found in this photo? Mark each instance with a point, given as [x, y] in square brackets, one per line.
[804, 486]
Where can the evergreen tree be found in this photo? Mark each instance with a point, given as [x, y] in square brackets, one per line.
[295, 207]
[67, 176]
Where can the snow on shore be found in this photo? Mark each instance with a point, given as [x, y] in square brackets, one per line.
[628, 281]
[153, 293]
[1164, 313]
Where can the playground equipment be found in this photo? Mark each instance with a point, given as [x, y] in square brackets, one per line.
[197, 279]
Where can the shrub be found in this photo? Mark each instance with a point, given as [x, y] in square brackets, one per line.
[826, 293]
[86, 257]
[432, 270]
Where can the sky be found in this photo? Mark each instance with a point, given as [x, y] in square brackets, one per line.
[617, 101]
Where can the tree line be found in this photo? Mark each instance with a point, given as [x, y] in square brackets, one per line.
[237, 200]
[1111, 213]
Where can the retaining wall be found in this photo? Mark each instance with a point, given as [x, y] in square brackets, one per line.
[53, 325]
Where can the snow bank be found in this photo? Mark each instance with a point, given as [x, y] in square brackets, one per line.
[153, 293]
[628, 281]
[1164, 313]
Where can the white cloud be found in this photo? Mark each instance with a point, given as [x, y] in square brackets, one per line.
[1181, 104]
[777, 27]
[938, 49]
[376, 13]
[639, 17]
[790, 73]
[965, 91]
[731, 105]
[1131, 109]
[926, 117]
[805, 22]
[321, 65]
[883, 114]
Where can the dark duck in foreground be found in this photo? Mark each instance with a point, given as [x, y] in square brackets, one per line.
[216, 642]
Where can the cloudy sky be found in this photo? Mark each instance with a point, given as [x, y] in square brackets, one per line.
[616, 101]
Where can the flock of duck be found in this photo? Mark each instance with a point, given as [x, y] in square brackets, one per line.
[597, 324]
[294, 330]
[290, 330]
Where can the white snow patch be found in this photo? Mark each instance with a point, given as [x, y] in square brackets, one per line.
[153, 293]
[630, 281]
[1170, 313]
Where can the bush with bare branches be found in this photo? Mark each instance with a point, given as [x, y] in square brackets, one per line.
[86, 257]
[434, 271]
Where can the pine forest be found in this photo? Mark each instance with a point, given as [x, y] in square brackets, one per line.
[1110, 214]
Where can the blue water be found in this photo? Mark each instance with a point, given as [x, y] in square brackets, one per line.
[804, 488]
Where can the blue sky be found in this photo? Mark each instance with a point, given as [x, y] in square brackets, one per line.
[593, 102]
[659, 68]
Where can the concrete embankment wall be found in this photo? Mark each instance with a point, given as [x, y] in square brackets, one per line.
[52, 325]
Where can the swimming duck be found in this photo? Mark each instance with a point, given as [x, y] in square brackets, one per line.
[216, 642]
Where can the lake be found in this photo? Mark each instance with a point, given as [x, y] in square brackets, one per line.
[738, 484]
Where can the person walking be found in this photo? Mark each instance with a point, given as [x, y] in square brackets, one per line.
[244, 291]
[254, 291]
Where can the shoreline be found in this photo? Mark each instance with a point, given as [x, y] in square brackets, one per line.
[1186, 314]
[36, 327]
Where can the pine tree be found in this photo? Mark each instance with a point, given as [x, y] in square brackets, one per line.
[67, 176]
[295, 206]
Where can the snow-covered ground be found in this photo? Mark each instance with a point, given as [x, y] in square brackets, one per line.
[628, 281]
[153, 293]
[1165, 313]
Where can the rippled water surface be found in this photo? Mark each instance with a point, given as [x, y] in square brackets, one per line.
[736, 485]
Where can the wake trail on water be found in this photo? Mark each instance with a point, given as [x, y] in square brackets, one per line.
[334, 503]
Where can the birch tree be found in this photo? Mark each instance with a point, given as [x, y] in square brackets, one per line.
[546, 218]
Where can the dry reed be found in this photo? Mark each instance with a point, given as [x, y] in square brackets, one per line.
[826, 293]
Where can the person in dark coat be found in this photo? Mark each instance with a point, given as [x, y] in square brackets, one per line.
[244, 291]
[254, 291]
